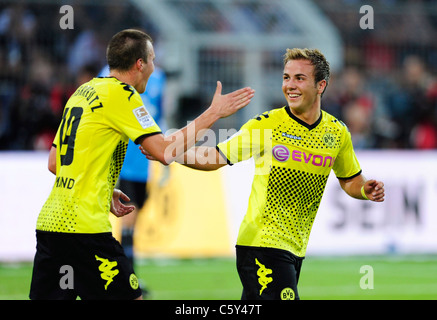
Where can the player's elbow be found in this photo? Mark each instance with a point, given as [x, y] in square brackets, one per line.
[52, 168]
[164, 159]
[164, 162]
[52, 161]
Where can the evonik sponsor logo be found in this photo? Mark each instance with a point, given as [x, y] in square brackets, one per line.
[314, 159]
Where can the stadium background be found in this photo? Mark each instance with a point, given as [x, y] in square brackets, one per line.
[383, 87]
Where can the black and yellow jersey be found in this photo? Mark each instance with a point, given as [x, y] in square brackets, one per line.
[292, 164]
[91, 142]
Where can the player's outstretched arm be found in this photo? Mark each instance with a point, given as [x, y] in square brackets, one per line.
[360, 188]
[199, 158]
[203, 158]
[168, 149]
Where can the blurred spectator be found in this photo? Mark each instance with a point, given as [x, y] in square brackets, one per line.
[397, 57]
[351, 101]
[410, 106]
[42, 64]
[356, 115]
[389, 78]
[17, 29]
[88, 49]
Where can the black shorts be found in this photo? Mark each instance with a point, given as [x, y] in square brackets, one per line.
[89, 266]
[136, 191]
[268, 273]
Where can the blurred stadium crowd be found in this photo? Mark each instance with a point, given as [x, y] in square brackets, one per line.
[386, 92]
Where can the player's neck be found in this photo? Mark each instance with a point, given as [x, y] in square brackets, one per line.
[309, 116]
[125, 76]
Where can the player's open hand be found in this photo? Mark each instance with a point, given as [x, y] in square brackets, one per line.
[226, 105]
[374, 190]
[118, 208]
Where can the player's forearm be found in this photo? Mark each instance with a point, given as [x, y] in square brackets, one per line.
[202, 158]
[184, 139]
[172, 147]
[353, 186]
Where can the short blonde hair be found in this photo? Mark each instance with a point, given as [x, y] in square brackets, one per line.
[316, 58]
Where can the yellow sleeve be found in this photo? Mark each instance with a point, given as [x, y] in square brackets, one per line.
[346, 164]
[246, 143]
[128, 114]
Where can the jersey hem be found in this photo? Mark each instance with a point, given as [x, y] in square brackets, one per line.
[75, 233]
[270, 248]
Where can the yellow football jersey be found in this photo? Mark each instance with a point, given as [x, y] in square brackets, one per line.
[91, 142]
[292, 164]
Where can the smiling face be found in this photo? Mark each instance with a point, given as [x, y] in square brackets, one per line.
[300, 89]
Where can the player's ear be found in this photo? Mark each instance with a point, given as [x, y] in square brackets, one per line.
[321, 86]
[139, 64]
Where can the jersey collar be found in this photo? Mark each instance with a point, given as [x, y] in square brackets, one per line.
[301, 122]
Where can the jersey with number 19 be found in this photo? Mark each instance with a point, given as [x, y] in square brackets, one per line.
[91, 142]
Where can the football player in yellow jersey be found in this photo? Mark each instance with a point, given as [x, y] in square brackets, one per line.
[294, 148]
[76, 254]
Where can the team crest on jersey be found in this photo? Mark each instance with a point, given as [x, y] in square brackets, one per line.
[143, 117]
[329, 139]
